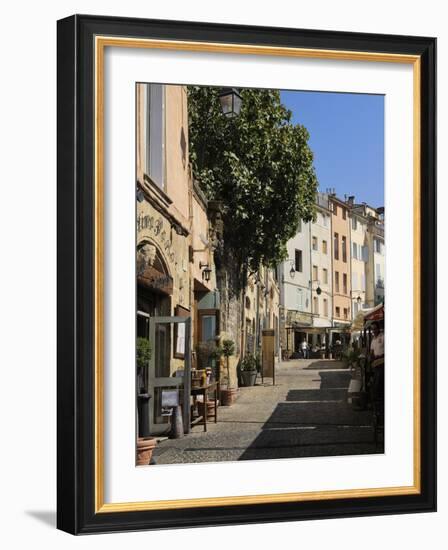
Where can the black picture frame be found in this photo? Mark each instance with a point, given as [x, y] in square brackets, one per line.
[76, 274]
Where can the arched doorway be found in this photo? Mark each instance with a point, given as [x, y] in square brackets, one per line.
[154, 290]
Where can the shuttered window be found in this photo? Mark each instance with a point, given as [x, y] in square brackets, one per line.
[155, 134]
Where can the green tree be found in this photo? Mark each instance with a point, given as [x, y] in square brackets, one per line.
[259, 165]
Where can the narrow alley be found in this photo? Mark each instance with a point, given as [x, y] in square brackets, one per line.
[305, 414]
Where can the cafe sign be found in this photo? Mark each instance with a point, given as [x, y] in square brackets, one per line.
[154, 225]
[298, 318]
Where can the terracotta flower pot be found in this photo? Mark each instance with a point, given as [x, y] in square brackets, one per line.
[145, 447]
[228, 396]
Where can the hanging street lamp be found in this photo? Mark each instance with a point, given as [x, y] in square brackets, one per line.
[231, 101]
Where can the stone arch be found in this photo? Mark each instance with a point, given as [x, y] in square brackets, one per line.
[149, 254]
[152, 268]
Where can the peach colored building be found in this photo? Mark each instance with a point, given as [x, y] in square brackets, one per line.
[340, 222]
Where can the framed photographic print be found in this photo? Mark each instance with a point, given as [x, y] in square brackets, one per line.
[246, 274]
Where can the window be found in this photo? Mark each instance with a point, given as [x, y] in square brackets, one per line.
[378, 246]
[354, 223]
[299, 228]
[325, 307]
[298, 266]
[155, 133]
[344, 249]
[344, 214]
[336, 280]
[336, 246]
[316, 305]
[335, 209]
[299, 299]
[355, 251]
[315, 273]
[344, 282]
[378, 271]
[325, 220]
[363, 282]
[345, 313]
[314, 243]
[325, 276]
[338, 312]
[208, 328]
[365, 254]
[324, 247]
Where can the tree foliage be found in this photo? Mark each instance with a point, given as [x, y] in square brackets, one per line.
[259, 165]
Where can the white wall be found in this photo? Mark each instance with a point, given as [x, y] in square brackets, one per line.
[27, 229]
[296, 288]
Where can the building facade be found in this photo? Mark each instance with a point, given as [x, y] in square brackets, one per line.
[360, 248]
[335, 268]
[340, 223]
[176, 277]
[296, 291]
[321, 273]
[371, 232]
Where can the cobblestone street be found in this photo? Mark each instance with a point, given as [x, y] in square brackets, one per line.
[305, 414]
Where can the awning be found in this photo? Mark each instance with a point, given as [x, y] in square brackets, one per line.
[370, 314]
[153, 279]
[377, 314]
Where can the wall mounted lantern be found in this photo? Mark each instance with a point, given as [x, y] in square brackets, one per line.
[206, 271]
[292, 271]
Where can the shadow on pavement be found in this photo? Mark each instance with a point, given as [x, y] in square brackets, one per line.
[315, 422]
[322, 365]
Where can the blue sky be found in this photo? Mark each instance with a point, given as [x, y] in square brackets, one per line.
[347, 139]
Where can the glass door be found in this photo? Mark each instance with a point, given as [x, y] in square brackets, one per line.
[169, 369]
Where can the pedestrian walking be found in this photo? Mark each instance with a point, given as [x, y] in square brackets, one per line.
[305, 349]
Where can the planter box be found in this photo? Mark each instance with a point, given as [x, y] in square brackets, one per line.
[249, 377]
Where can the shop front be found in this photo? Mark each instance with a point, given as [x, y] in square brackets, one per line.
[163, 320]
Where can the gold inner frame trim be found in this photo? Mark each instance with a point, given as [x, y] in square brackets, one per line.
[101, 42]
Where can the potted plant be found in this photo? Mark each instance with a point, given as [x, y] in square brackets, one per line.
[145, 448]
[249, 370]
[145, 443]
[228, 393]
[206, 351]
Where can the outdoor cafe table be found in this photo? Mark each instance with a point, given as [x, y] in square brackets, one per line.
[204, 390]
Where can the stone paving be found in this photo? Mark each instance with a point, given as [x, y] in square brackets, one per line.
[305, 414]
